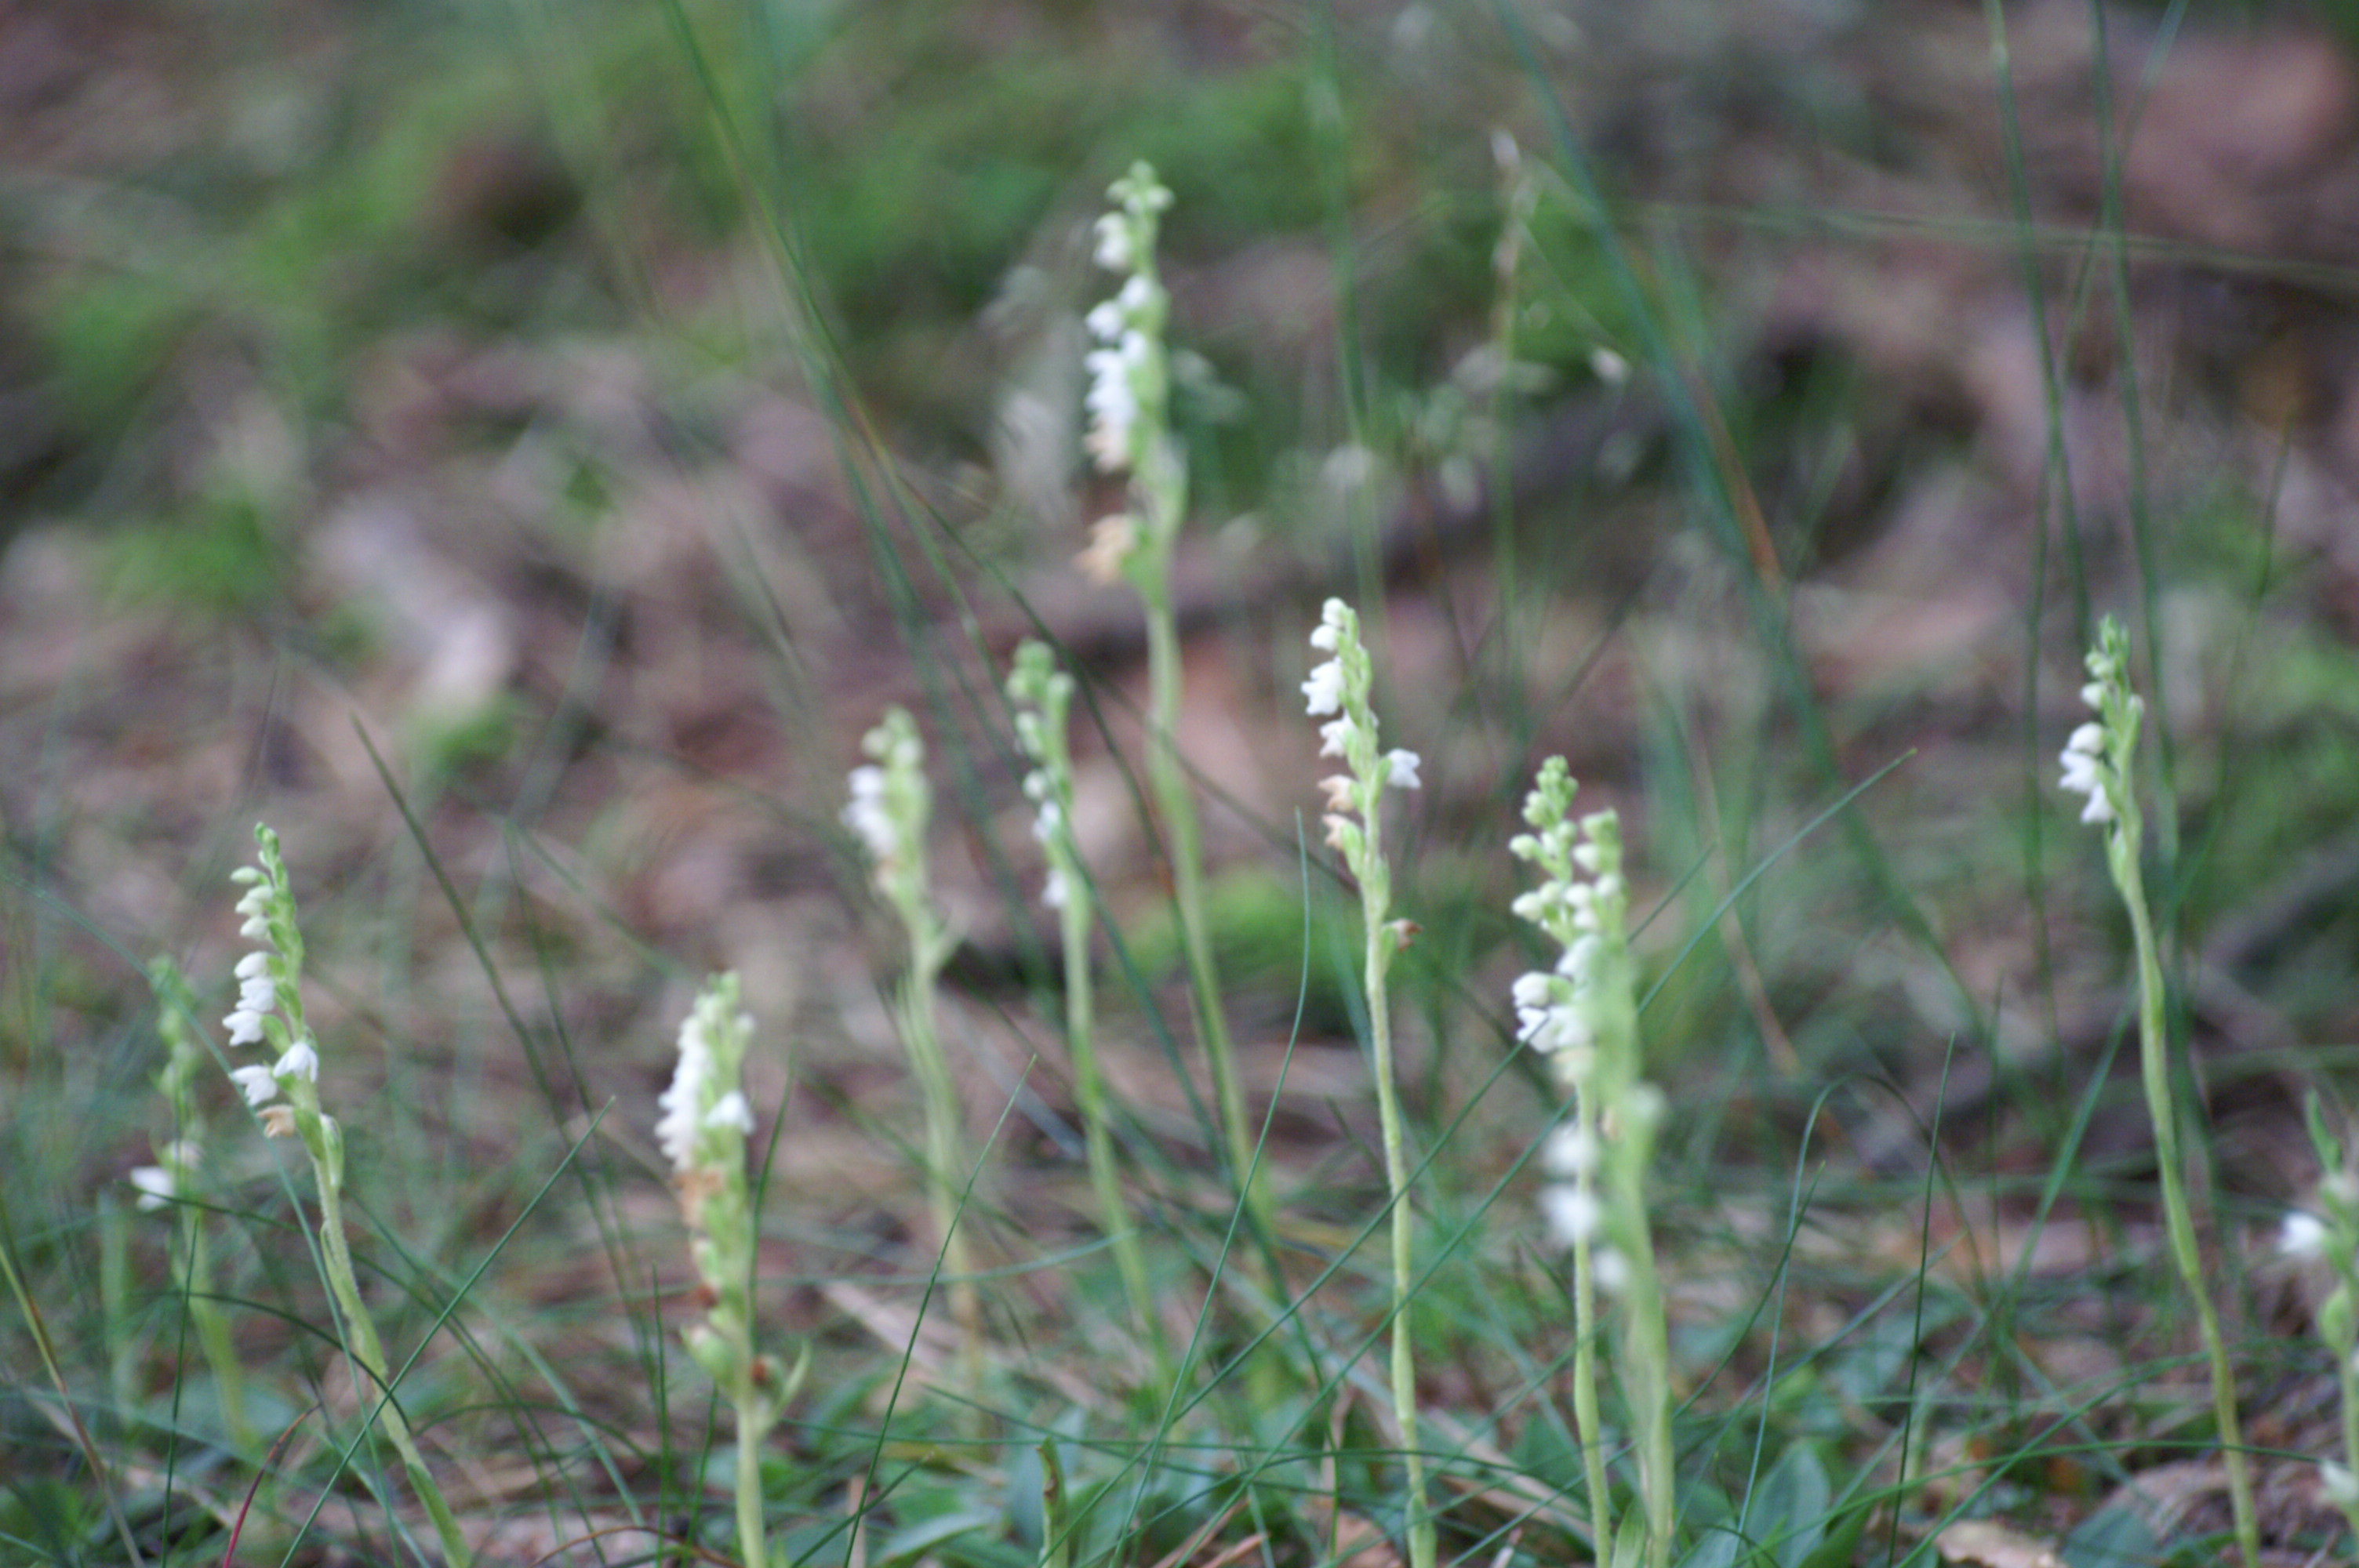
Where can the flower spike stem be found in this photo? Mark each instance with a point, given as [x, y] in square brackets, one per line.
[1043, 698]
[2099, 762]
[286, 1094]
[891, 805]
[1341, 688]
[1130, 431]
[1582, 1014]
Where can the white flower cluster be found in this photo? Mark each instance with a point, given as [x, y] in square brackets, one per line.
[1580, 1012]
[1341, 687]
[703, 1132]
[270, 1008]
[1129, 377]
[1558, 1010]
[2096, 757]
[890, 803]
[1043, 696]
[704, 1099]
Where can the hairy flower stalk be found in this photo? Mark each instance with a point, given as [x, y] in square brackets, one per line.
[1129, 405]
[891, 805]
[1338, 691]
[1043, 699]
[706, 1120]
[286, 1093]
[1582, 1014]
[2099, 761]
[175, 1176]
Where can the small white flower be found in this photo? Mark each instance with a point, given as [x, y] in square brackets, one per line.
[1579, 961]
[1105, 321]
[254, 966]
[1112, 404]
[1336, 736]
[730, 1110]
[1570, 1151]
[2303, 1235]
[258, 1085]
[259, 994]
[676, 1131]
[299, 1062]
[1610, 1270]
[1323, 692]
[245, 1027]
[867, 815]
[1115, 252]
[2093, 694]
[1054, 892]
[1532, 990]
[1572, 1213]
[1562, 1028]
[1401, 769]
[2341, 1487]
[157, 1186]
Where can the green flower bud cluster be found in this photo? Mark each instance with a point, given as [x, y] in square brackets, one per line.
[1043, 697]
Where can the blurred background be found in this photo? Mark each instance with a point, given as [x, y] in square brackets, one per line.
[517, 450]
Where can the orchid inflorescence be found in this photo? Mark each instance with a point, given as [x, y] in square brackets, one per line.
[2097, 757]
[1581, 1013]
[706, 1120]
[269, 1010]
[1338, 691]
[173, 1176]
[1340, 688]
[1130, 395]
[1043, 699]
[2099, 762]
